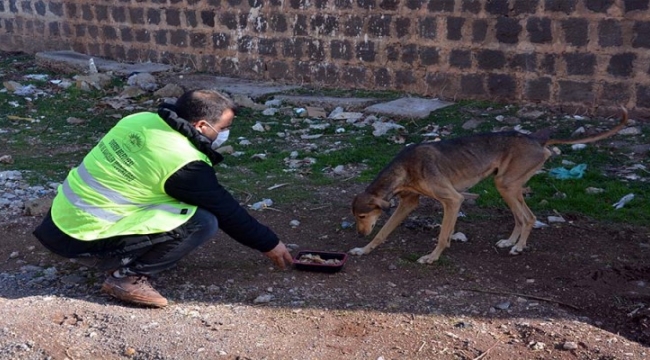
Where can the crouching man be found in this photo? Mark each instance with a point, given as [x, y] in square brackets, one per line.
[147, 195]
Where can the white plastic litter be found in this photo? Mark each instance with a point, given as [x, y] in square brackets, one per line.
[624, 200]
[539, 224]
[92, 69]
[578, 146]
[556, 219]
[261, 204]
[381, 128]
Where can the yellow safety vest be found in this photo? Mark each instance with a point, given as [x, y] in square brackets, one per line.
[119, 187]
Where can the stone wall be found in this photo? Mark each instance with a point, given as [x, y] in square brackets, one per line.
[581, 54]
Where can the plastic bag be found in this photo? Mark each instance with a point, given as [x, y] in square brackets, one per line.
[561, 173]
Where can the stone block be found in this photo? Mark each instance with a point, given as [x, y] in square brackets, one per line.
[508, 30]
[573, 91]
[502, 85]
[461, 59]
[278, 23]
[565, 6]
[208, 18]
[580, 63]
[538, 89]
[472, 84]
[610, 33]
[525, 6]
[640, 38]
[497, 7]
[402, 27]
[576, 31]
[479, 30]
[491, 59]
[341, 49]
[429, 55]
[379, 25]
[365, 51]
[427, 28]
[621, 65]
[441, 6]
[539, 30]
[455, 28]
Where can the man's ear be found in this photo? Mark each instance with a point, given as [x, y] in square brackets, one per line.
[383, 204]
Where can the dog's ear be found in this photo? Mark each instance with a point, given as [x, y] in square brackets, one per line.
[383, 204]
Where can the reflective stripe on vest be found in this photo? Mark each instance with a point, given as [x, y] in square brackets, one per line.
[112, 195]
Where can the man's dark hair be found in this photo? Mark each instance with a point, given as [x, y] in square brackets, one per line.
[209, 105]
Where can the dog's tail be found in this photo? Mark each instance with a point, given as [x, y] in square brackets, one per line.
[593, 138]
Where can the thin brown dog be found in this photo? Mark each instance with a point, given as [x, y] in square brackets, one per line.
[442, 170]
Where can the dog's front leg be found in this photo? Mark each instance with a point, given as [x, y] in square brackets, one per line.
[406, 205]
[450, 207]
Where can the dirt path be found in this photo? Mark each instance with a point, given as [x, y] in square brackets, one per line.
[383, 305]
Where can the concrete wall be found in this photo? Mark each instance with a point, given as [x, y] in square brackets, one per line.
[584, 54]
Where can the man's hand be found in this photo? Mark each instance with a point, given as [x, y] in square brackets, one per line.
[280, 255]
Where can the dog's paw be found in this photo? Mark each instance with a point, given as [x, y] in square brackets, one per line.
[504, 243]
[428, 259]
[516, 250]
[357, 251]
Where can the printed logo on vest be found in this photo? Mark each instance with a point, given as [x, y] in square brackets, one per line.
[134, 142]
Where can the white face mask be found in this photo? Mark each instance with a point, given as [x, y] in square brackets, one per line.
[221, 138]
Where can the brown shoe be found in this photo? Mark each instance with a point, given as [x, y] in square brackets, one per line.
[133, 289]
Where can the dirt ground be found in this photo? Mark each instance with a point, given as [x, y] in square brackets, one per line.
[579, 291]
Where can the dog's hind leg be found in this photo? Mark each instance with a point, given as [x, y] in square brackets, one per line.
[407, 203]
[524, 219]
[451, 202]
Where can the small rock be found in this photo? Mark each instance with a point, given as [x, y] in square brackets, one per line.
[569, 345]
[169, 91]
[347, 116]
[503, 306]
[292, 247]
[472, 124]
[270, 112]
[534, 114]
[14, 255]
[144, 81]
[258, 126]
[37, 207]
[12, 86]
[392, 267]
[294, 223]
[459, 236]
[273, 103]
[594, 190]
[263, 299]
[335, 112]
[129, 352]
[75, 121]
[339, 170]
[346, 225]
[6, 159]
[316, 112]
[130, 92]
[630, 131]
[537, 345]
